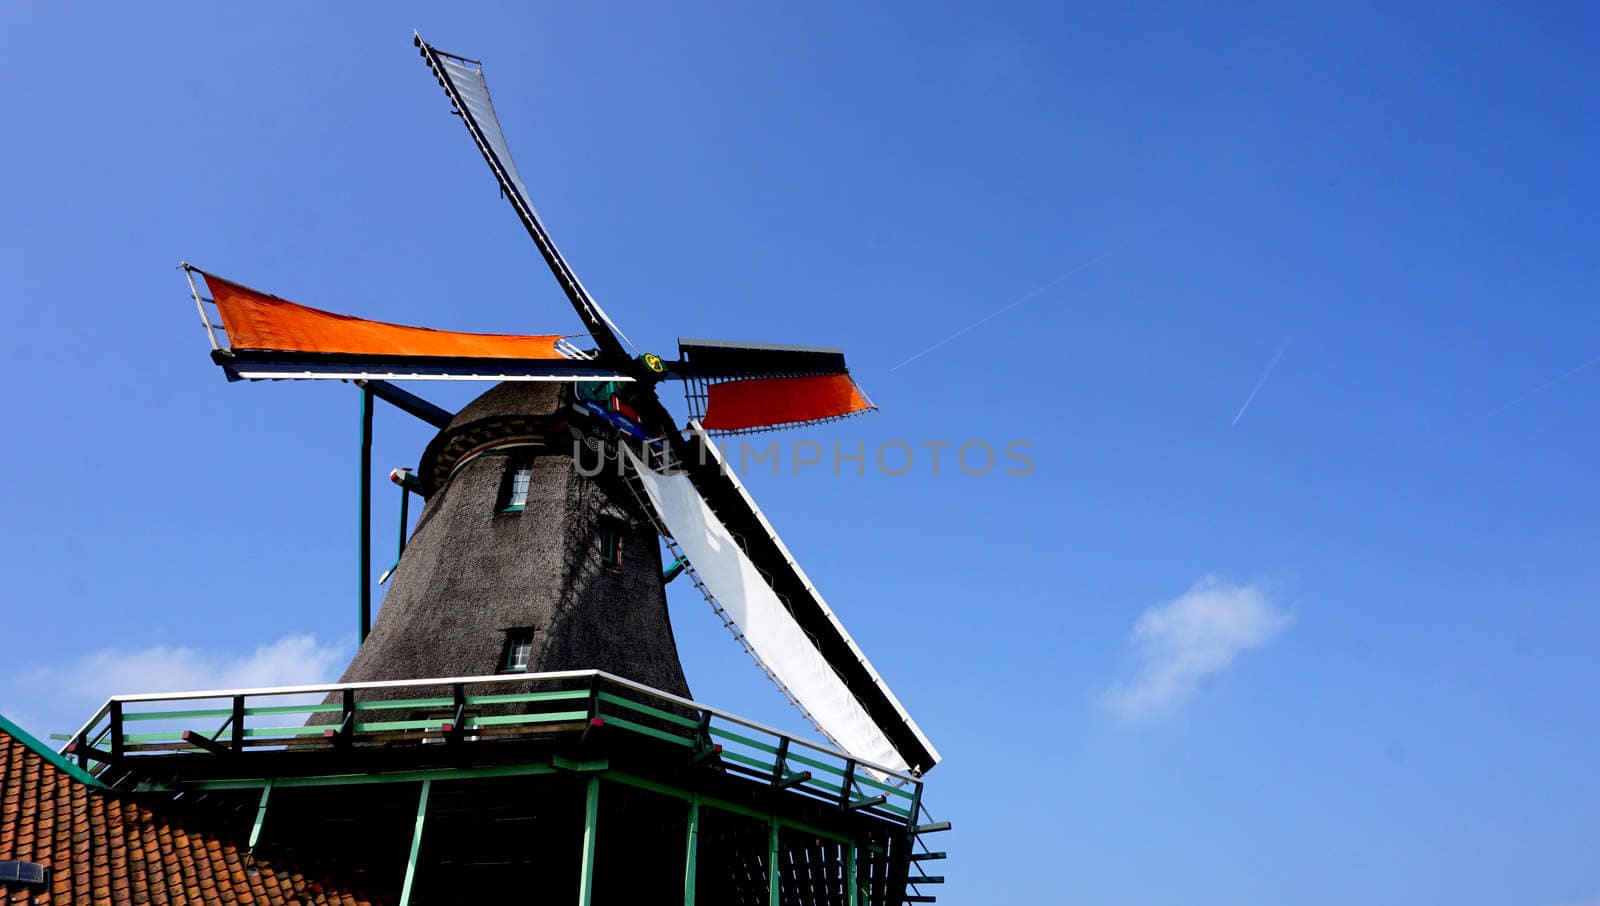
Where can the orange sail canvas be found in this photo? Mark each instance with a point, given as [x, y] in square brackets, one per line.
[255, 320]
[766, 402]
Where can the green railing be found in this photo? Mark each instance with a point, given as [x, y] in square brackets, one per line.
[131, 729]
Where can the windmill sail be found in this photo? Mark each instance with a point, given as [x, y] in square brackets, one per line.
[742, 388]
[464, 84]
[782, 616]
[268, 338]
[763, 404]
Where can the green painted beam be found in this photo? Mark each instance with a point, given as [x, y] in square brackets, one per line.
[176, 715]
[723, 805]
[772, 862]
[662, 735]
[580, 767]
[693, 851]
[758, 764]
[673, 571]
[549, 717]
[379, 705]
[591, 821]
[286, 709]
[838, 771]
[902, 791]
[510, 770]
[560, 695]
[852, 887]
[434, 702]
[261, 815]
[226, 712]
[284, 731]
[646, 709]
[416, 843]
[55, 758]
[753, 743]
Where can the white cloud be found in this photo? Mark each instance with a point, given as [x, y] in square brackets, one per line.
[1196, 635]
[60, 697]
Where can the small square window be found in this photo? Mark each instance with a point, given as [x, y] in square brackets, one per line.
[519, 650]
[610, 545]
[516, 493]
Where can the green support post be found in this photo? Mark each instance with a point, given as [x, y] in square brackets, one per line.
[416, 843]
[591, 821]
[261, 816]
[693, 851]
[365, 556]
[852, 889]
[772, 862]
[405, 500]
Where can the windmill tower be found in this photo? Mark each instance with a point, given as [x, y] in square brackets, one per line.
[521, 561]
[516, 722]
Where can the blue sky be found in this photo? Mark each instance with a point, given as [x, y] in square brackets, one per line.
[1339, 648]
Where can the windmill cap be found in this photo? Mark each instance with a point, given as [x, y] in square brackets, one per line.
[504, 412]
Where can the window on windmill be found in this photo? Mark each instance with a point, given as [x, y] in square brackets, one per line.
[519, 650]
[518, 480]
[610, 545]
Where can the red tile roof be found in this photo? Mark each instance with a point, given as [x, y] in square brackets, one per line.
[106, 847]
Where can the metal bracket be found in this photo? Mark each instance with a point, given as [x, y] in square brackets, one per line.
[596, 766]
[202, 741]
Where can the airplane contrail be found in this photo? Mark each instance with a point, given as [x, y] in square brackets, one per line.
[1260, 383]
[1005, 308]
[1555, 380]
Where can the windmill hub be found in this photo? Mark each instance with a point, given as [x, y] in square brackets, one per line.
[653, 364]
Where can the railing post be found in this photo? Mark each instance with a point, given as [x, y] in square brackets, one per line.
[347, 717]
[848, 789]
[237, 742]
[779, 762]
[703, 746]
[458, 719]
[116, 731]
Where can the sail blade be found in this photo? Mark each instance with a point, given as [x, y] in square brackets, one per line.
[767, 625]
[742, 560]
[270, 338]
[741, 388]
[764, 404]
[464, 84]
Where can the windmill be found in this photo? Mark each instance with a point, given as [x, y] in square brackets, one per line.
[671, 481]
[523, 659]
